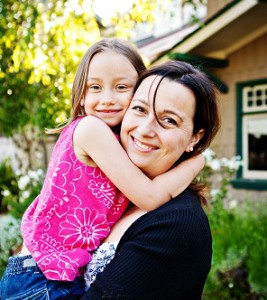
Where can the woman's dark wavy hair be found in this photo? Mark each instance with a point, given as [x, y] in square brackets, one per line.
[206, 114]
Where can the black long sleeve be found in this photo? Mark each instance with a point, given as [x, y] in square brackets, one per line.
[165, 254]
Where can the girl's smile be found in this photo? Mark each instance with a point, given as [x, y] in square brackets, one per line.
[110, 82]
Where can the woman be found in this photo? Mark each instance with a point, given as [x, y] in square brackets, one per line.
[166, 253]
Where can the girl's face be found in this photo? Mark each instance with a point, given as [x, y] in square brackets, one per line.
[110, 82]
[151, 147]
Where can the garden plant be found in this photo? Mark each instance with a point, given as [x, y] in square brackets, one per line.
[239, 263]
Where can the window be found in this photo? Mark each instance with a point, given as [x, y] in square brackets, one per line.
[252, 135]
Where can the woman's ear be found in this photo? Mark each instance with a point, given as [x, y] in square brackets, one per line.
[195, 139]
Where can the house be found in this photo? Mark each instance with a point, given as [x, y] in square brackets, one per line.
[231, 46]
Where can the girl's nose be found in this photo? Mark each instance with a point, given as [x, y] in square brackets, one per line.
[107, 98]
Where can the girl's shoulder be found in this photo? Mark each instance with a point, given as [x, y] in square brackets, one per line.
[92, 124]
[71, 126]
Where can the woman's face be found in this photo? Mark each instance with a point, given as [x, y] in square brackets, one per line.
[151, 147]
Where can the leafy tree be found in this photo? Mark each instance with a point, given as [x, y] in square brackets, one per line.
[41, 44]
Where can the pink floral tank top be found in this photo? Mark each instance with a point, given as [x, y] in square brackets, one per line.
[74, 212]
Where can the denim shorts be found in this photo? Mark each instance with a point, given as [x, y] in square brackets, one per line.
[23, 280]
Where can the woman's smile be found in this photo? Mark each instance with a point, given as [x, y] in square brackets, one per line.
[142, 146]
[155, 143]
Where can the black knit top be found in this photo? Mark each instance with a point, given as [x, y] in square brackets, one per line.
[165, 254]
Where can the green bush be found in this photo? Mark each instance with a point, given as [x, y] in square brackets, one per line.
[17, 191]
[8, 184]
[21, 189]
[10, 239]
[239, 262]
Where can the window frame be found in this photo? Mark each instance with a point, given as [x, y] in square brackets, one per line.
[243, 114]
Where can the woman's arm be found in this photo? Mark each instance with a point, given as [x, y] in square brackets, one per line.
[95, 139]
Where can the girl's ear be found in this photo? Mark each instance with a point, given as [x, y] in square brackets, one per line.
[82, 101]
[195, 139]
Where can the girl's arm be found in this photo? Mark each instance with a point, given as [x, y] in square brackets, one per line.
[93, 138]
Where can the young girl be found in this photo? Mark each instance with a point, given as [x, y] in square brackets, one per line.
[88, 180]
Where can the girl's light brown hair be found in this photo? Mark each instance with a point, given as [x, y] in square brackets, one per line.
[117, 45]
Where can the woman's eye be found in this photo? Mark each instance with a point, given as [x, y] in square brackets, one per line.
[138, 108]
[169, 121]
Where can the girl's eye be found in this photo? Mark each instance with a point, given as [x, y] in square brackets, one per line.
[122, 87]
[94, 87]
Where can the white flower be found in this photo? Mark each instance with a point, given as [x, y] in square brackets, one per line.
[208, 154]
[25, 195]
[33, 174]
[18, 172]
[40, 172]
[10, 236]
[214, 192]
[23, 182]
[215, 164]
[5, 193]
[36, 174]
[224, 162]
[233, 204]
[234, 163]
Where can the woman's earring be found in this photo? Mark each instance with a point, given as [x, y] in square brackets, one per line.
[191, 149]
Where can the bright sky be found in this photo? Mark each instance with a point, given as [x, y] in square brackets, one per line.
[105, 8]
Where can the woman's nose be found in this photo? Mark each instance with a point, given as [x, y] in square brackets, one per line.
[147, 128]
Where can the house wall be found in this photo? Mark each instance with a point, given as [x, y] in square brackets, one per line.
[214, 6]
[248, 63]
